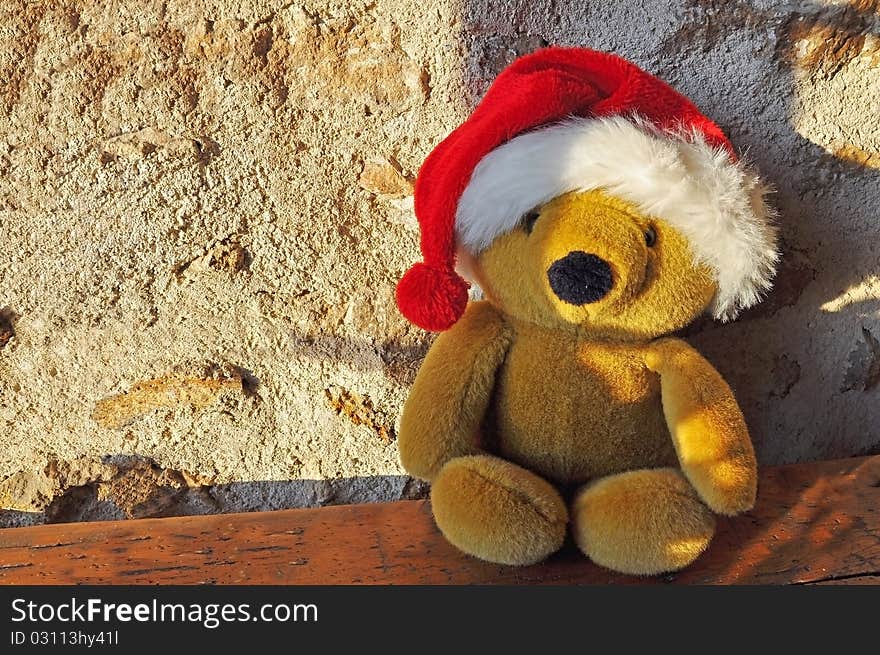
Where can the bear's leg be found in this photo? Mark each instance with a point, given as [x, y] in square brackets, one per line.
[642, 522]
[497, 511]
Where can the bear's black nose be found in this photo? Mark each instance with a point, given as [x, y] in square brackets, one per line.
[580, 278]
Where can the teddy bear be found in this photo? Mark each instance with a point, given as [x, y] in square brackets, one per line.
[599, 212]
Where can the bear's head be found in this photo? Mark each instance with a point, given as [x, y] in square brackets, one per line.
[592, 263]
[585, 194]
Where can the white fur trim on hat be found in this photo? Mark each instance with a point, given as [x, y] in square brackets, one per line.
[718, 204]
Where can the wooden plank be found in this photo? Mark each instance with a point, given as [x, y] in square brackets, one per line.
[814, 523]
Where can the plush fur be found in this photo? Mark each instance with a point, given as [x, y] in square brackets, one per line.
[642, 522]
[498, 511]
[452, 392]
[528, 397]
[717, 203]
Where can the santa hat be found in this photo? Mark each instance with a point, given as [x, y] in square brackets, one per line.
[566, 119]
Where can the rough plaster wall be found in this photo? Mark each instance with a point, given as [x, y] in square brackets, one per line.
[205, 208]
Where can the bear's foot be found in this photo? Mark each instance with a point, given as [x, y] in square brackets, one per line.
[497, 511]
[642, 522]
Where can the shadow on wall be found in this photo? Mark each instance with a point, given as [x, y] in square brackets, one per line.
[781, 82]
[142, 489]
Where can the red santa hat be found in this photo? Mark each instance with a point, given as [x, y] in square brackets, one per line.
[566, 119]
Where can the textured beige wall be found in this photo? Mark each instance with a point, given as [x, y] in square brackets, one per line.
[204, 208]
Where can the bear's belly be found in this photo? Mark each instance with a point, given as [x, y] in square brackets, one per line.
[572, 411]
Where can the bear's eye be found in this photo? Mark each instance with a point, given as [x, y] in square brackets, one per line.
[529, 221]
[650, 236]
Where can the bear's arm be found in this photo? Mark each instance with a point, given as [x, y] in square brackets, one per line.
[447, 402]
[707, 427]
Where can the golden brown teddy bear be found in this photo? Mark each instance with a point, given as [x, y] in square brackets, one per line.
[599, 211]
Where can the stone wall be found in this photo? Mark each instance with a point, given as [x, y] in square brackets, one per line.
[204, 208]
